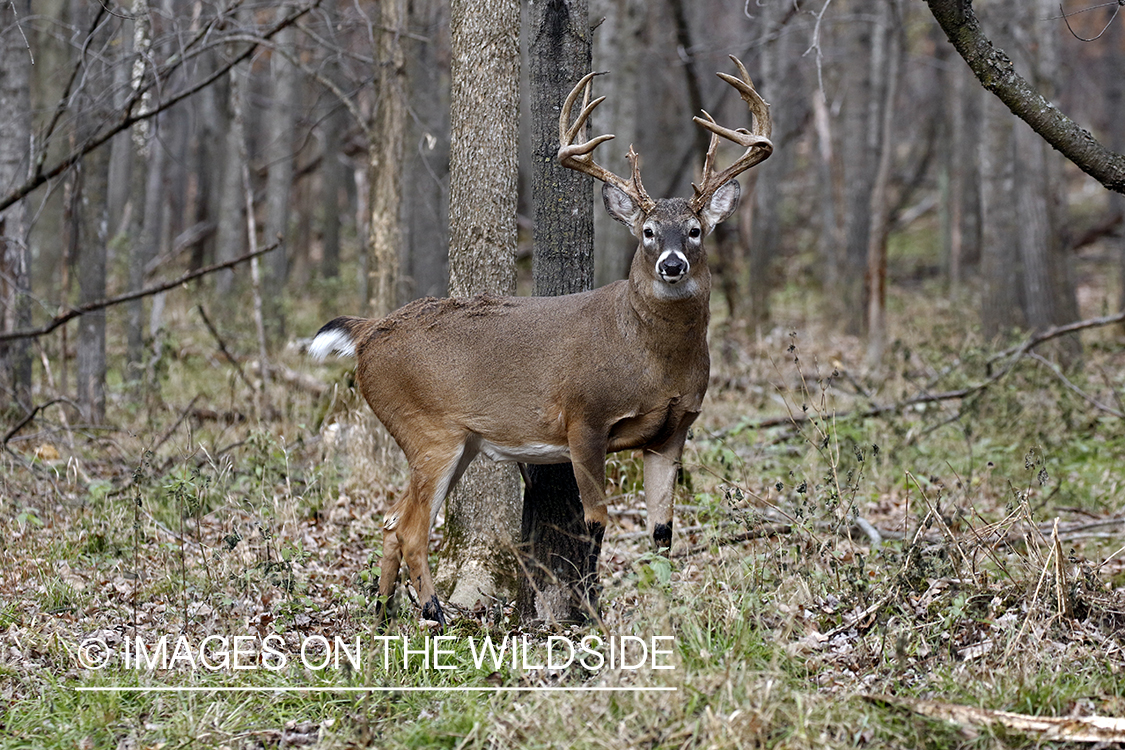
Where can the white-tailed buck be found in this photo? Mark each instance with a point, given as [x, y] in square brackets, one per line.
[556, 379]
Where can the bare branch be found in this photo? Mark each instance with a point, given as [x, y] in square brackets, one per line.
[128, 117]
[994, 69]
[1016, 353]
[69, 315]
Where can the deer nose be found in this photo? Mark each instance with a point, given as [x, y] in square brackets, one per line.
[672, 267]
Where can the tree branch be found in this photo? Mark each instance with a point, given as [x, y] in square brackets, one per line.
[994, 69]
[1015, 353]
[69, 315]
[128, 117]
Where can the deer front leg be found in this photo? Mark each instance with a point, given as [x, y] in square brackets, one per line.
[661, 464]
[587, 454]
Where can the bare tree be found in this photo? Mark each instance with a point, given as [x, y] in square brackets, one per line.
[1115, 115]
[617, 48]
[483, 513]
[91, 185]
[385, 157]
[426, 249]
[15, 254]
[890, 21]
[280, 157]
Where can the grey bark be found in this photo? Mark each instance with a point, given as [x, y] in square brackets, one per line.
[861, 138]
[280, 158]
[334, 174]
[890, 18]
[427, 205]
[91, 189]
[483, 513]
[385, 163]
[146, 248]
[763, 240]
[617, 48]
[231, 225]
[1049, 297]
[1114, 62]
[121, 151]
[151, 223]
[557, 585]
[15, 253]
[1001, 306]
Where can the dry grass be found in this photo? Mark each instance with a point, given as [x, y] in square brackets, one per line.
[998, 580]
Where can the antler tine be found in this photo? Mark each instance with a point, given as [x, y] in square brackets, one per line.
[757, 143]
[579, 156]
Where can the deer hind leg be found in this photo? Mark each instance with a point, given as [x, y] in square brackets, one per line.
[432, 475]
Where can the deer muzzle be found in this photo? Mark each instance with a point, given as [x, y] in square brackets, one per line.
[672, 266]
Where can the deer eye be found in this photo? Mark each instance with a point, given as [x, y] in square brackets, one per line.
[648, 232]
[693, 232]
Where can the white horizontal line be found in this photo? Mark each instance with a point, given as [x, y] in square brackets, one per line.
[373, 689]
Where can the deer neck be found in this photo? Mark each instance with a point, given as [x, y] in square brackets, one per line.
[666, 314]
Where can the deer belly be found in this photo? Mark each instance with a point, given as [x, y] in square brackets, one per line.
[531, 453]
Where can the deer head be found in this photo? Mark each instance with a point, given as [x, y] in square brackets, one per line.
[670, 230]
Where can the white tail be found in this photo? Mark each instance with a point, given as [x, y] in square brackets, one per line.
[554, 379]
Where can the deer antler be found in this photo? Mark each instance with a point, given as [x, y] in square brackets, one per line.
[757, 143]
[579, 156]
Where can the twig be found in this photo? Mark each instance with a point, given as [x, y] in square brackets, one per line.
[30, 416]
[1058, 373]
[223, 348]
[168, 433]
[745, 536]
[73, 313]
[1015, 354]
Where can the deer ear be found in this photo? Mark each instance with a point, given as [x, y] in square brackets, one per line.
[620, 206]
[721, 206]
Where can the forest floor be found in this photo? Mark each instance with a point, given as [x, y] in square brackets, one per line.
[836, 580]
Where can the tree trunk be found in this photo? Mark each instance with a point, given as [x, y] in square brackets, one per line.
[763, 235]
[559, 585]
[385, 163]
[231, 239]
[1114, 63]
[830, 236]
[151, 224]
[1001, 275]
[146, 248]
[15, 253]
[427, 206]
[617, 49]
[279, 156]
[1049, 297]
[861, 135]
[92, 185]
[483, 513]
[890, 17]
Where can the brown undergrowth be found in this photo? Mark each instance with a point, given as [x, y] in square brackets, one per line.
[962, 549]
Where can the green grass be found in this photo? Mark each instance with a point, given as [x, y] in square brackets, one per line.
[270, 526]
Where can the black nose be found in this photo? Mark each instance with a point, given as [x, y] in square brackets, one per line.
[673, 267]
